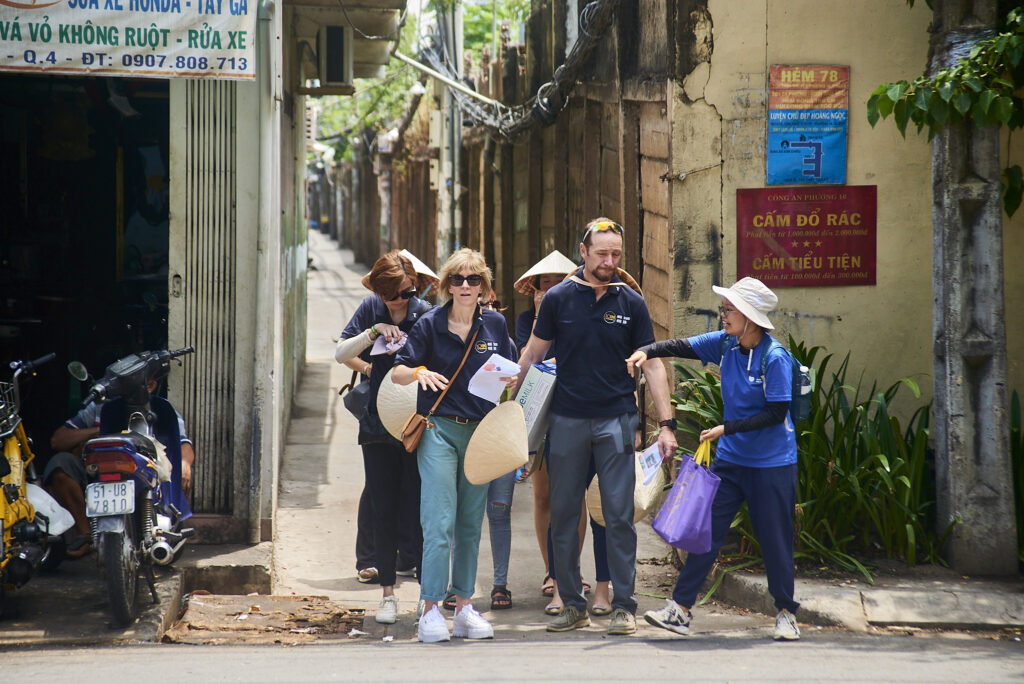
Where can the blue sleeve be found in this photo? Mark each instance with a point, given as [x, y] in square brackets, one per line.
[417, 348]
[642, 330]
[778, 377]
[708, 346]
[87, 417]
[545, 326]
[361, 319]
[524, 328]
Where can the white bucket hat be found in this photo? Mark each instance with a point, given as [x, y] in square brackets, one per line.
[555, 263]
[395, 403]
[498, 444]
[753, 299]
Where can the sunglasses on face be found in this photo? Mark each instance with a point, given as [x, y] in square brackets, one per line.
[411, 292]
[602, 226]
[456, 279]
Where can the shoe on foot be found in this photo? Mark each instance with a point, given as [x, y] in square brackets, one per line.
[785, 626]
[406, 572]
[671, 617]
[368, 576]
[569, 619]
[622, 622]
[432, 627]
[468, 624]
[387, 612]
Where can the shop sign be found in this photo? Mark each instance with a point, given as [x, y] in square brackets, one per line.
[133, 38]
[807, 124]
[804, 237]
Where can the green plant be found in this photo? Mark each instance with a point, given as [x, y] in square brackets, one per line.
[982, 87]
[863, 483]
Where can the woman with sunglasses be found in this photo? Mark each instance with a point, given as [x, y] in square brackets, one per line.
[392, 478]
[756, 454]
[452, 509]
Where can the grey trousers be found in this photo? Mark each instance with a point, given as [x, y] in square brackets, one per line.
[610, 441]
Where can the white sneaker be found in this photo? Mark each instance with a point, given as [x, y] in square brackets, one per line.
[671, 617]
[387, 612]
[432, 627]
[469, 625]
[785, 626]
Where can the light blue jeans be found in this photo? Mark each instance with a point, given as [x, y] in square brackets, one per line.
[451, 511]
[499, 521]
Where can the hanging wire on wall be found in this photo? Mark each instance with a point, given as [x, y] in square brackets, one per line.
[543, 108]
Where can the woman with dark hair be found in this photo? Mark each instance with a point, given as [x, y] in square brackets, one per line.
[392, 478]
[459, 334]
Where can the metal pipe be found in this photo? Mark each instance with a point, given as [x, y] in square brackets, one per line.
[447, 81]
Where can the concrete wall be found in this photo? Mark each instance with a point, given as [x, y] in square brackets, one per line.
[719, 112]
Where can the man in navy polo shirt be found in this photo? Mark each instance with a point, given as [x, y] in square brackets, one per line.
[597, 321]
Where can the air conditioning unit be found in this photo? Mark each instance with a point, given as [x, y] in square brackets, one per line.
[334, 55]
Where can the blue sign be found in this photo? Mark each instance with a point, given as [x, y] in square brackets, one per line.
[807, 146]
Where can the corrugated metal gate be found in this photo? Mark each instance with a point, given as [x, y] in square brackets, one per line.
[202, 282]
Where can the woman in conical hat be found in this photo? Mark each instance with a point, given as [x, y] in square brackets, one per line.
[541, 277]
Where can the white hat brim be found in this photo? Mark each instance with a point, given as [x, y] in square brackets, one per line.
[737, 300]
[555, 263]
[498, 445]
[425, 275]
[395, 403]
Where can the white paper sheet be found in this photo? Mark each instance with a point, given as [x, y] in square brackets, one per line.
[487, 382]
[650, 462]
[382, 346]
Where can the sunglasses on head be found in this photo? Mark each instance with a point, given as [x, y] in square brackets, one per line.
[602, 226]
[457, 279]
[411, 292]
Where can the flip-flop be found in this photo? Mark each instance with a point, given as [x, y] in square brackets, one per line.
[553, 609]
[599, 610]
[547, 587]
[449, 602]
[586, 587]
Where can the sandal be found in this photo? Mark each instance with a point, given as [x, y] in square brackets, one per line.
[449, 601]
[599, 610]
[586, 587]
[501, 598]
[78, 545]
[547, 587]
[553, 608]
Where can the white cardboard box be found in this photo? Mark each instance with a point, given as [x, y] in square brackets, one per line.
[535, 398]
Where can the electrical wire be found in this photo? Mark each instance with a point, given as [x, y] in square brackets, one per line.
[397, 29]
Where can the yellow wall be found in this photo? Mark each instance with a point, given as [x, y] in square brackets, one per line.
[721, 112]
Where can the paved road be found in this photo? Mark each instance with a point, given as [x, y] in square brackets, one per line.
[826, 656]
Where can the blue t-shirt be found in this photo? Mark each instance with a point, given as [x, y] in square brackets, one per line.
[373, 310]
[594, 337]
[524, 328]
[744, 395]
[431, 344]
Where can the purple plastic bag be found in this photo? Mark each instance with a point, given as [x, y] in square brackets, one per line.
[684, 520]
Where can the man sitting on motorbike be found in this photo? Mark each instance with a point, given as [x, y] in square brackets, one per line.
[65, 476]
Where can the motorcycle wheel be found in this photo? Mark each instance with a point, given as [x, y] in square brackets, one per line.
[121, 563]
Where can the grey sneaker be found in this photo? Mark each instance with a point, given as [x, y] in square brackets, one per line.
[569, 619]
[387, 613]
[671, 617]
[785, 626]
[622, 622]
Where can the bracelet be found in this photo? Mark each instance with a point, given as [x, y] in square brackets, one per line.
[373, 329]
[366, 369]
[415, 373]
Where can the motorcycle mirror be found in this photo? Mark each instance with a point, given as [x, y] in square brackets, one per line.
[78, 371]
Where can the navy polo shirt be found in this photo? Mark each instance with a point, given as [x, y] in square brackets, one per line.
[372, 310]
[431, 344]
[744, 394]
[524, 328]
[594, 337]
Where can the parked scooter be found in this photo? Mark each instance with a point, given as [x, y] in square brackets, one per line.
[30, 519]
[134, 499]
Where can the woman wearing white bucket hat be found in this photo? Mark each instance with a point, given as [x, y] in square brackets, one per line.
[392, 478]
[756, 455]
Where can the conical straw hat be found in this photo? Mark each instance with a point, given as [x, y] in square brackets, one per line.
[395, 403]
[624, 277]
[555, 263]
[425, 277]
[498, 444]
[641, 494]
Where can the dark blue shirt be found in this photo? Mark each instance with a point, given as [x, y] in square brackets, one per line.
[431, 344]
[524, 328]
[594, 337]
[371, 311]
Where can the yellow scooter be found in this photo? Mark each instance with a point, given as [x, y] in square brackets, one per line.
[29, 517]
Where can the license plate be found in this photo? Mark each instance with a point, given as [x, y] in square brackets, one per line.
[109, 498]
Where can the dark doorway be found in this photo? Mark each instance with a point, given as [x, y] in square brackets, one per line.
[84, 177]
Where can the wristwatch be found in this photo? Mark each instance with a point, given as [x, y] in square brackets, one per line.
[671, 424]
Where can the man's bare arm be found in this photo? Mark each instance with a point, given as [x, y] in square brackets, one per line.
[69, 439]
[657, 383]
